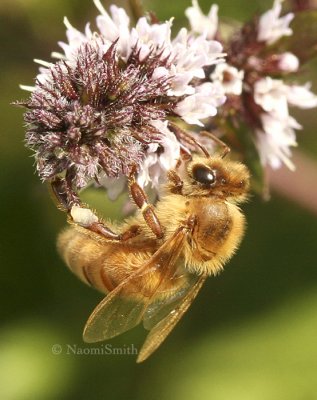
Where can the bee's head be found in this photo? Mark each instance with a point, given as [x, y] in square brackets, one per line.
[216, 177]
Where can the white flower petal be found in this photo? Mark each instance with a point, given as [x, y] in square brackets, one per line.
[200, 23]
[272, 27]
[301, 96]
[270, 94]
[202, 104]
[153, 169]
[271, 153]
[276, 139]
[27, 88]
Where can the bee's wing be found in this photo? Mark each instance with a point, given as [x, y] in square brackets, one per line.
[166, 302]
[164, 326]
[124, 307]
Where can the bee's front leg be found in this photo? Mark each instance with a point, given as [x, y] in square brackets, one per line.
[68, 201]
[141, 201]
[175, 182]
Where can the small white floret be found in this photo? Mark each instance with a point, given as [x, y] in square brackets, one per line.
[272, 27]
[201, 23]
[288, 62]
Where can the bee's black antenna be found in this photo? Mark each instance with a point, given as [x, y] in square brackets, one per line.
[226, 148]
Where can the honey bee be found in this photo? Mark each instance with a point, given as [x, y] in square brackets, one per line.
[153, 269]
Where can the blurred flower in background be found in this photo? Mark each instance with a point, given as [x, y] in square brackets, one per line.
[258, 79]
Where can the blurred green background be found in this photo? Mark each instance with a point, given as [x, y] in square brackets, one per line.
[251, 333]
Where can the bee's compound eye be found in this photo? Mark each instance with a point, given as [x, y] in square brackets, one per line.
[203, 175]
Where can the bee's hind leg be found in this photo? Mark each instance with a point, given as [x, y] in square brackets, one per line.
[79, 214]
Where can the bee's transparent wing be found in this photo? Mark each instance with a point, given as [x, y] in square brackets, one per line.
[164, 303]
[124, 307]
[164, 326]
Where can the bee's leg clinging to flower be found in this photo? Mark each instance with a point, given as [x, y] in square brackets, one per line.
[141, 201]
[68, 201]
[176, 182]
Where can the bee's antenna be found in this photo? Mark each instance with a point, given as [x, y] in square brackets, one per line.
[226, 149]
[181, 134]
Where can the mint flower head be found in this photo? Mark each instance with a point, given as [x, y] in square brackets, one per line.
[103, 108]
[95, 115]
[259, 79]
